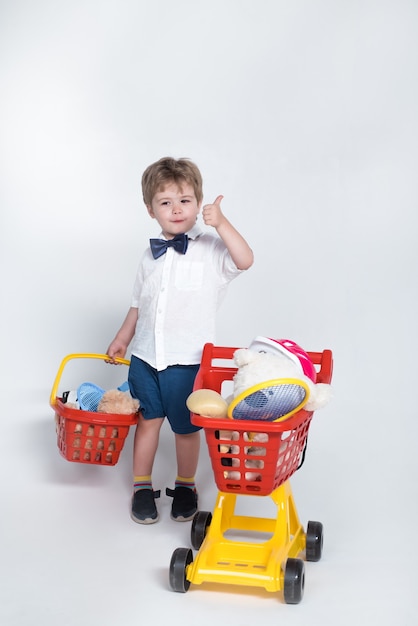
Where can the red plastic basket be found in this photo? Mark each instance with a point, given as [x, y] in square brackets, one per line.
[247, 456]
[85, 436]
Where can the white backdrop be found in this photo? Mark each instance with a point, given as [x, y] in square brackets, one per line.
[303, 115]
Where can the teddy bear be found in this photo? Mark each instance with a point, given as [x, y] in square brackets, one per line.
[117, 402]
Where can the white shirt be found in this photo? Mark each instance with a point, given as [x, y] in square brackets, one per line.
[177, 297]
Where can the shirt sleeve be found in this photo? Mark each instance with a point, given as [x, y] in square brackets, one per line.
[223, 261]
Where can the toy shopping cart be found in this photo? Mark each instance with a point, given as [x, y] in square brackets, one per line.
[250, 458]
[86, 436]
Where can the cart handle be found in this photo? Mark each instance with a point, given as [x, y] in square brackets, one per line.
[103, 357]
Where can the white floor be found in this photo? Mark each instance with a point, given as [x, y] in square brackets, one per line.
[72, 556]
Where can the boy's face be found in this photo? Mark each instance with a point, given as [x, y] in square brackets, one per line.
[175, 209]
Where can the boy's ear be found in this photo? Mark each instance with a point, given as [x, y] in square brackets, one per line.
[150, 210]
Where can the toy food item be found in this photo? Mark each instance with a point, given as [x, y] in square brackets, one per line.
[209, 401]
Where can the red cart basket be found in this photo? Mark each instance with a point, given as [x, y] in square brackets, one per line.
[247, 456]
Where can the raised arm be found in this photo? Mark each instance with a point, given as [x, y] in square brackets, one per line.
[238, 248]
[124, 336]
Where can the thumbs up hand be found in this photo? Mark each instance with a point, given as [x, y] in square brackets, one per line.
[212, 214]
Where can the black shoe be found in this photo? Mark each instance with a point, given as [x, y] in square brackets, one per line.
[144, 510]
[184, 505]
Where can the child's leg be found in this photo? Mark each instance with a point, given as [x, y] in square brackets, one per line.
[146, 439]
[176, 384]
[143, 385]
[145, 445]
[187, 452]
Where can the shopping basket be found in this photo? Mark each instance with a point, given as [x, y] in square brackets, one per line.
[86, 436]
[253, 457]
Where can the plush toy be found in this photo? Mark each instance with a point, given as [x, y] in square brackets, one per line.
[265, 360]
[117, 402]
[268, 359]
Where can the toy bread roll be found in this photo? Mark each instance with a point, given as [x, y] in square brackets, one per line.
[208, 403]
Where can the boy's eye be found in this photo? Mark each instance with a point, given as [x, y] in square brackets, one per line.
[185, 200]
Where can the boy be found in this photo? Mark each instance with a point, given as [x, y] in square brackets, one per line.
[180, 282]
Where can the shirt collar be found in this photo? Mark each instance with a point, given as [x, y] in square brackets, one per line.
[193, 233]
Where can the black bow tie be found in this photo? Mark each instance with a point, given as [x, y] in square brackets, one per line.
[159, 246]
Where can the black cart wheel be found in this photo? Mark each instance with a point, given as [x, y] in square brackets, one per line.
[314, 541]
[294, 581]
[181, 558]
[200, 524]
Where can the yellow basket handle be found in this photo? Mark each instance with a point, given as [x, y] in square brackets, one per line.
[103, 357]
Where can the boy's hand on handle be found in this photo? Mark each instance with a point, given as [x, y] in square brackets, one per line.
[115, 350]
[212, 214]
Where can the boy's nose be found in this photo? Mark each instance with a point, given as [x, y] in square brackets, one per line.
[177, 207]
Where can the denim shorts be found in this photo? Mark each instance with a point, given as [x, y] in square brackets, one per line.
[164, 394]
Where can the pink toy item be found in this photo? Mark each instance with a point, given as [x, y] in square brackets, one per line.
[288, 348]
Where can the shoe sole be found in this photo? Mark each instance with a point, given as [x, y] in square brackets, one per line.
[181, 518]
[148, 520]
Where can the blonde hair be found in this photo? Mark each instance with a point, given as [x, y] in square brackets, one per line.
[169, 170]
